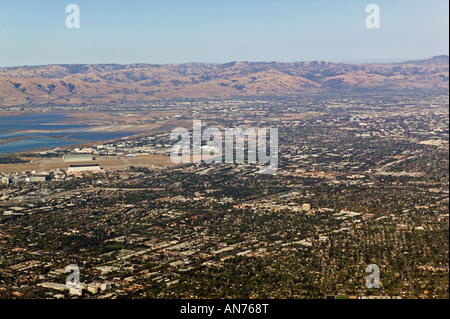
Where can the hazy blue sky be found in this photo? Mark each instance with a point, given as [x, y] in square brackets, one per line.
[33, 32]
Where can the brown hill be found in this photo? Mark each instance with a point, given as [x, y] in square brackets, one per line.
[75, 84]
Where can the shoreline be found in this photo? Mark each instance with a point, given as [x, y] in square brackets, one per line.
[63, 147]
[125, 130]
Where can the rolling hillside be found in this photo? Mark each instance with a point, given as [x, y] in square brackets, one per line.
[76, 84]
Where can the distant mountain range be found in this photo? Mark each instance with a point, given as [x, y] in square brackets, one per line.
[109, 83]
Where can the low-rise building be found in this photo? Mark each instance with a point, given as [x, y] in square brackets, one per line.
[78, 158]
[84, 168]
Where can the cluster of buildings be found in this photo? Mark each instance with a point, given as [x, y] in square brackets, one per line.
[339, 200]
[77, 290]
[38, 178]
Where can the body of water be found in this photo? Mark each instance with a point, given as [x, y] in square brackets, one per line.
[12, 127]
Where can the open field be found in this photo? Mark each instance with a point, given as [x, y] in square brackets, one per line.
[107, 163]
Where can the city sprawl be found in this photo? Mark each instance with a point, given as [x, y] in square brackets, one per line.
[362, 179]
